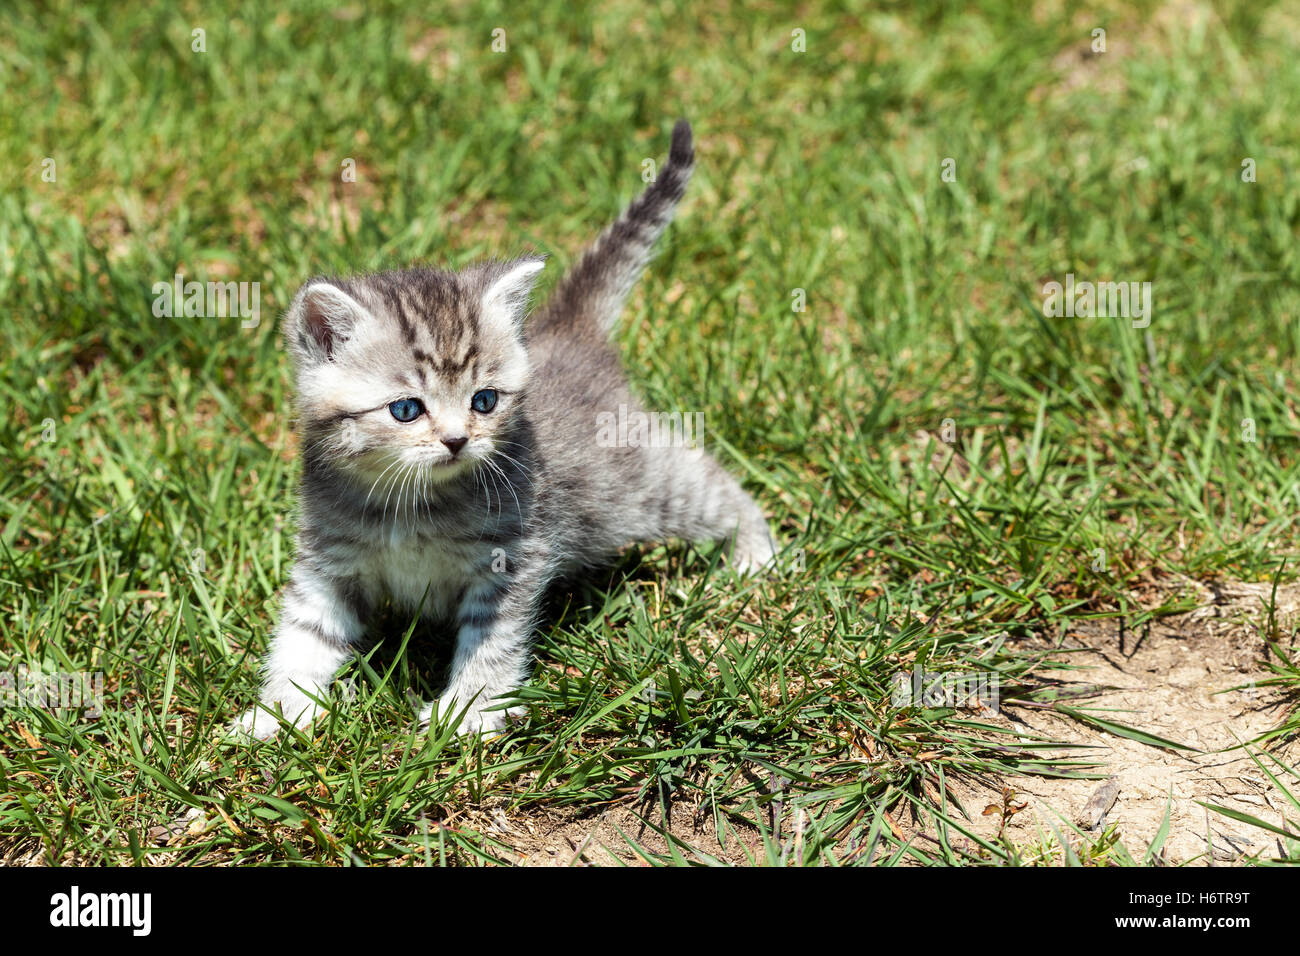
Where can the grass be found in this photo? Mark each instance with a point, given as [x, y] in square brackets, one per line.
[147, 467]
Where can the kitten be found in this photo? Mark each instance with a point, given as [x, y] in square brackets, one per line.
[450, 461]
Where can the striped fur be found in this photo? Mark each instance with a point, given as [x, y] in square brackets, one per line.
[474, 532]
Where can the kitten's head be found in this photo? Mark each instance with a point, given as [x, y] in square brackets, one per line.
[412, 374]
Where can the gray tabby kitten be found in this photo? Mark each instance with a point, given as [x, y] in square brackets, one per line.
[450, 461]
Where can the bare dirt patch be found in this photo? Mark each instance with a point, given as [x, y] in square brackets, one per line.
[1191, 678]
[1174, 679]
[600, 838]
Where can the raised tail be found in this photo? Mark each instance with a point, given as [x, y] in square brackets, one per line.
[592, 294]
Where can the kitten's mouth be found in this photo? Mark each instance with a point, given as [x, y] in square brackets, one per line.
[441, 469]
[386, 476]
[454, 461]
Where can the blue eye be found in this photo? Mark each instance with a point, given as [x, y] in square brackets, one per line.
[406, 409]
[484, 401]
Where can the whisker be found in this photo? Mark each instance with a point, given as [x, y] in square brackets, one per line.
[395, 461]
[486, 493]
[384, 515]
[427, 479]
[513, 460]
[519, 509]
[516, 462]
[478, 482]
[403, 494]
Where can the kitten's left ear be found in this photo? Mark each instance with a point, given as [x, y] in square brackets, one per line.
[507, 296]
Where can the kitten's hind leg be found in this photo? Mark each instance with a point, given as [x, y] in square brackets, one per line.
[702, 502]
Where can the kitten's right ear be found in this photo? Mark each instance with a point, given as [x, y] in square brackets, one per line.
[321, 318]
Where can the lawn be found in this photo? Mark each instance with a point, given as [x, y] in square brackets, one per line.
[853, 295]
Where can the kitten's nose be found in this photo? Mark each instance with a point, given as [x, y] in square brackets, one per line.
[454, 445]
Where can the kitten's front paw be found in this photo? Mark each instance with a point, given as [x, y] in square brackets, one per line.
[259, 723]
[474, 721]
[255, 724]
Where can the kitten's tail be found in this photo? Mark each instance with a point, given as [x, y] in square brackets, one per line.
[593, 292]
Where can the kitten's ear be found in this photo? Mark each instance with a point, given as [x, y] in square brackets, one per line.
[321, 318]
[507, 296]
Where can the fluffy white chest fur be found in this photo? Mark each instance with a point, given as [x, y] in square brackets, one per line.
[412, 571]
